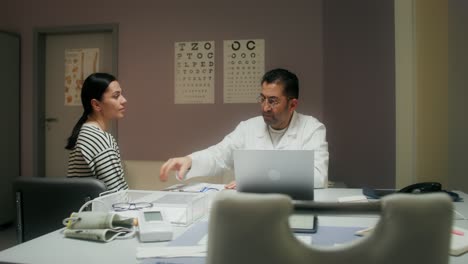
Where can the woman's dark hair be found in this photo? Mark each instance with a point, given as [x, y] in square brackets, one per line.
[93, 88]
[285, 77]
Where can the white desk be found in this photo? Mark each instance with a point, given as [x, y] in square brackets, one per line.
[54, 248]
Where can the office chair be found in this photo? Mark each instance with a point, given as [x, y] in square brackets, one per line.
[42, 203]
[253, 228]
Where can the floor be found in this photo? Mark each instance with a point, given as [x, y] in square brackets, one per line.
[7, 236]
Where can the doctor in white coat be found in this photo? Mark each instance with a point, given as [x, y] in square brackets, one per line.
[279, 127]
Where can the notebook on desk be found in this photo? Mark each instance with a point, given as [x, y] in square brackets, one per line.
[288, 172]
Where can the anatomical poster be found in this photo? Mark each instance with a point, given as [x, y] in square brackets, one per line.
[79, 64]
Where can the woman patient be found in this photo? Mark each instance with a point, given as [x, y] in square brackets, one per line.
[94, 152]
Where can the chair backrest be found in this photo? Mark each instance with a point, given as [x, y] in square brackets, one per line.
[42, 203]
[253, 228]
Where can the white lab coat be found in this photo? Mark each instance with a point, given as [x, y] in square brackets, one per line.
[304, 132]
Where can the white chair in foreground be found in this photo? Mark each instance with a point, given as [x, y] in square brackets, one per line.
[253, 228]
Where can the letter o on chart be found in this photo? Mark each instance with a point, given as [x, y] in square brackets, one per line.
[250, 45]
[236, 45]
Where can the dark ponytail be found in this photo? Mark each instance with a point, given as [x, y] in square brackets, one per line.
[93, 88]
[76, 130]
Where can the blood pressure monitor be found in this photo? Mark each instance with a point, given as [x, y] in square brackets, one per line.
[153, 226]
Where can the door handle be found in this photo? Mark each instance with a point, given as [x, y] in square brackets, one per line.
[51, 119]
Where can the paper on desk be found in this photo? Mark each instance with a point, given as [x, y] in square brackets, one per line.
[203, 241]
[306, 239]
[458, 216]
[355, 198]
[171, 252]
[459, 241]
[208, 188]
[203, 187]
[175, 215]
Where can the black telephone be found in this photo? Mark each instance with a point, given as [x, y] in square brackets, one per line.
[422, 187]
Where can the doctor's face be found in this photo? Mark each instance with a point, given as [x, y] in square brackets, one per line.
[277, 109]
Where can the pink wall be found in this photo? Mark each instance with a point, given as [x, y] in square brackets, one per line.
[359, 77]
[155, 128]
[342, 51]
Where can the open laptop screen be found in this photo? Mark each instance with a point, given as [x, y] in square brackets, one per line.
[288, 172]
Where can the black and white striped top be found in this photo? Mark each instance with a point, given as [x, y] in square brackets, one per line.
[97, 155]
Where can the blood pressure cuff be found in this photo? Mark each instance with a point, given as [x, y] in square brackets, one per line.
[103, 235]
[98, 226]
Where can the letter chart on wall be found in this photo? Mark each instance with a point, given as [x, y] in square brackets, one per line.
[194, 72]
[244, 66]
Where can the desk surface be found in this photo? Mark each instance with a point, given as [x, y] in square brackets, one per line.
[54, 248]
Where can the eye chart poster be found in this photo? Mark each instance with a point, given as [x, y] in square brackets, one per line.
[79, 64]
[194, 72]
[244, 66]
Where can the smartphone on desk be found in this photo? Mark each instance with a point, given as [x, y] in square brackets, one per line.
[303, 223]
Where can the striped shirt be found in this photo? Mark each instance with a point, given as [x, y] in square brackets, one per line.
[97, 155]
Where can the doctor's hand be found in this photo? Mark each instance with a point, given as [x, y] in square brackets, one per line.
[231, 185]
[181, 165]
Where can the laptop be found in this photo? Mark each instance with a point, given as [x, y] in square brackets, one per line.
[288, 172]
